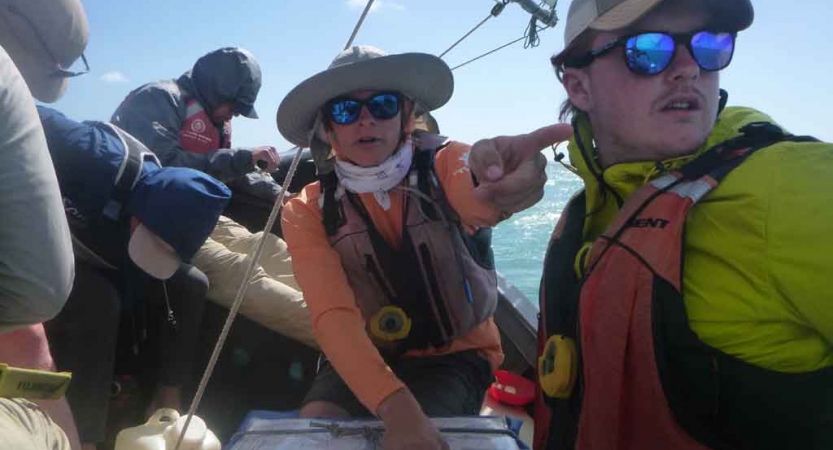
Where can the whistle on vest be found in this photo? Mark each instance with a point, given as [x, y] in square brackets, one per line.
[558, 366]
[390, 324]
[32, 384]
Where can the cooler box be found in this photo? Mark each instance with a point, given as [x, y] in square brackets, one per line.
[273, 431]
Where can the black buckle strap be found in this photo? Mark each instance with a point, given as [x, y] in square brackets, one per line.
[333, 218]
[721, 159]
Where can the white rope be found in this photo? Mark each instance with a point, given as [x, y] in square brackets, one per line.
[359, 24]
[238, 299]
[241, 291]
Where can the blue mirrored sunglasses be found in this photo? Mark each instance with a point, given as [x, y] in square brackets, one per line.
[345, 110]
[652, 52]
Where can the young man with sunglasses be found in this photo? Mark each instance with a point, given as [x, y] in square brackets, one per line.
[683, 301]
[392, 247]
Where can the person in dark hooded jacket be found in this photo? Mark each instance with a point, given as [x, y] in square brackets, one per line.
[187, 121]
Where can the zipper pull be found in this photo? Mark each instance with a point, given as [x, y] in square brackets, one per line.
[171, 319]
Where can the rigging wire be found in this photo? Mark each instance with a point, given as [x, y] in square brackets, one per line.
[532, 39]
[496, 10]
[238, 299]
[359, 24]
[531, 34]
[241, 291]
[539, 29]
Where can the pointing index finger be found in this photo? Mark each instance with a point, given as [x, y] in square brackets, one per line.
[525, 146]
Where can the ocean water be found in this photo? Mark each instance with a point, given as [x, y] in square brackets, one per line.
[519, 243]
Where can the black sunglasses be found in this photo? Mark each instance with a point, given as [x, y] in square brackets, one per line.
[60, 72]
[650, 53]
[346, 110]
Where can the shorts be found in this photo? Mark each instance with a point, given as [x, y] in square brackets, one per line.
[23, 425]
[445, 386]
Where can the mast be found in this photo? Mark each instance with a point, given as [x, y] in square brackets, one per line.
[544, 10]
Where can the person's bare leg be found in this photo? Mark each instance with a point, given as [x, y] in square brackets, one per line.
[60, 413]
[323, 410]
[165, 397]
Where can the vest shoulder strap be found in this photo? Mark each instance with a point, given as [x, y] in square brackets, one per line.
[725, 157]
[135, 153]
[333, 217]
[428, 145]
[560, 285]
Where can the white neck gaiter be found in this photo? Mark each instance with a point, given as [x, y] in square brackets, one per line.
[377, 179]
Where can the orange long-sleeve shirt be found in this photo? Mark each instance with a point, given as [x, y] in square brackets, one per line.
[336, 319]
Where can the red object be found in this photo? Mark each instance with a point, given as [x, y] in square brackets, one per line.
[199, 134]
[512, 389]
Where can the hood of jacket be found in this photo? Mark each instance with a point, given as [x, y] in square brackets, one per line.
[606, 189]
[226, 75]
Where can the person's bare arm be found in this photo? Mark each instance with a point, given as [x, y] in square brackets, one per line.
[27, 348]
[406, 426]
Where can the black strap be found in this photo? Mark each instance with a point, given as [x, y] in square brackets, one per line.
[132, 170]
[721, 159]
[424, 164]
[123, 185]
[561, 302]
[333, 219]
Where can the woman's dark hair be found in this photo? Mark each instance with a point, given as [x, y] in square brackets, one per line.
[582, 44]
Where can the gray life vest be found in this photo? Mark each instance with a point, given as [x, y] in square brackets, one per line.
[437, 287]
[99, 239]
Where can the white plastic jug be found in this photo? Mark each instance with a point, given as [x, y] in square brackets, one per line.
[162, 431]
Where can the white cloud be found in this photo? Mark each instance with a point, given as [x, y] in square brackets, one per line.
[361, 4]
[114, 77]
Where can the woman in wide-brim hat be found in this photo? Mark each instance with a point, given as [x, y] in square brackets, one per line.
[358, 264]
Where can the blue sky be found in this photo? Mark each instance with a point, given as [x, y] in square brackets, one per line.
[783, 64]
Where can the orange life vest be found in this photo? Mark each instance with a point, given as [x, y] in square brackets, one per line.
[620, 368]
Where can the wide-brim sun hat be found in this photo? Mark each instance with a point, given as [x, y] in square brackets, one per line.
[612, 15]
[42, 37]
[421, 77]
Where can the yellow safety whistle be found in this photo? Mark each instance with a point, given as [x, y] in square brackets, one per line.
[32, 384]
[390, 324]
[558, 366]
